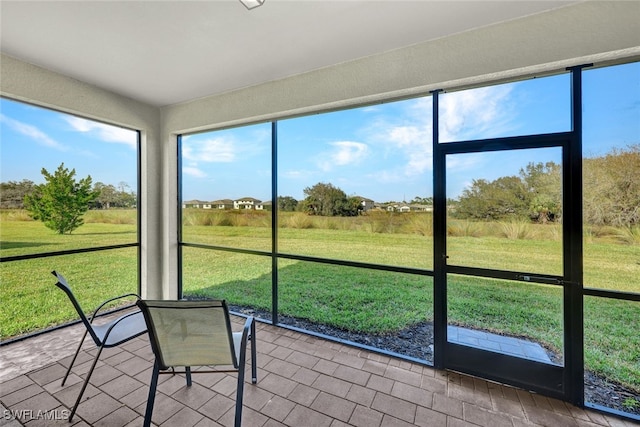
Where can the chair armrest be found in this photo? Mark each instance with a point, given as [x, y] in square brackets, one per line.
[248, 328]
[111, 300]
[248, 332]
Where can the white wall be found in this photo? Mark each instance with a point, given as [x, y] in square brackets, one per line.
[598, 32]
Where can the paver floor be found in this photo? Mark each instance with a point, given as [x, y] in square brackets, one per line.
[302, 381]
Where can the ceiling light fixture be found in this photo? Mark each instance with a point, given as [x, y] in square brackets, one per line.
[251, 4]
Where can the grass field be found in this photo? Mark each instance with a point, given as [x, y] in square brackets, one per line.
[347, 297]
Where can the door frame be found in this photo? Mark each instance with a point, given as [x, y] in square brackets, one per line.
[562, 382]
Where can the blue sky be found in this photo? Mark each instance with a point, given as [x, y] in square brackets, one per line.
[32, 138]
[382, 152]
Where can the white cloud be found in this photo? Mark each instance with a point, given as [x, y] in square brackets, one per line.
[344, 153]
[212, 150]
[406, 136]
[294, 174]
[484, 112]
[102, 131]
[193, 171]
[471, 114]
[33, 133]
[414, 142]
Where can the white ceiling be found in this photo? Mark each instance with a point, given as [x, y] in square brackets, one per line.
[167, 52]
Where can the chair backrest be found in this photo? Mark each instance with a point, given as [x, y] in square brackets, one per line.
[62, 284]
[189, 333]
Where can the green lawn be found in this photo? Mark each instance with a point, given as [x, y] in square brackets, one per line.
[30, 301]
[384, 302]
[364, 300]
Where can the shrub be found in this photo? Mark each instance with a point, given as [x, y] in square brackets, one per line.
[465, 229]
[627, 235]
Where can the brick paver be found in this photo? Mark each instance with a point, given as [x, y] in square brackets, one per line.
[302, 381]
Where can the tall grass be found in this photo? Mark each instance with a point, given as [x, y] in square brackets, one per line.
[421, 224]
[111, 216]
[298, 220]
[518, 230]
[14, 215]
[462, 228]
[629, 235]
[624, 235]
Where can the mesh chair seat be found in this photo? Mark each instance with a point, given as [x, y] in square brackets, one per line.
[197, 333]
[128, 327]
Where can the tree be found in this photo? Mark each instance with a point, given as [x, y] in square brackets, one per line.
[327, 200]
[126, 197]
[506, 197]
[352, 206]
[422, 200]
[612, 188]
[544, 185]
[61, 201]
[107, 195]
[287, 204]
[536, 194]
[110, 197]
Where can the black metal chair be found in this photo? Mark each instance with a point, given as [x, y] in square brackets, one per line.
[197, 333]
[110, 334]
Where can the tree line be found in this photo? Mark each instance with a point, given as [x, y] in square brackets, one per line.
[13, 193]
[611, 196]
[327, 200]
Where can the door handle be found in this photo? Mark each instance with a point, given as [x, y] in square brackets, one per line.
[539, 279]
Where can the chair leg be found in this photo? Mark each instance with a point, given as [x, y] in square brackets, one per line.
[75, 356]
[152, 394]
[187, 370]
[254, 367]
[86, 382]
[239, 394]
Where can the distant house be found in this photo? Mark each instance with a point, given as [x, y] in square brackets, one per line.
[405, 207]
[246, 203]
[398, 207]
[198, 204]
[222, 204]
[264, 206]
[366, 204]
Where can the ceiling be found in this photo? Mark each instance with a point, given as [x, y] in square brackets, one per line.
[167, 52]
